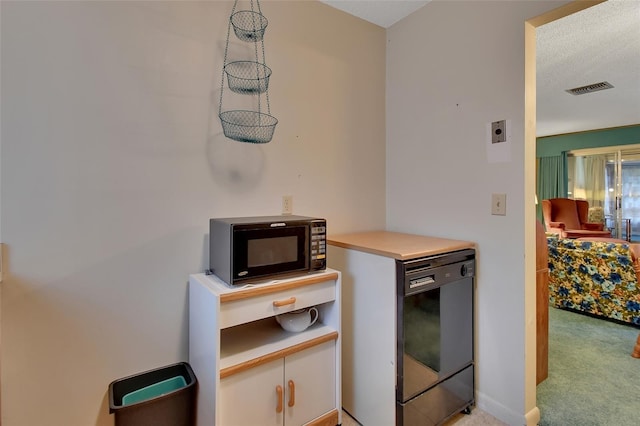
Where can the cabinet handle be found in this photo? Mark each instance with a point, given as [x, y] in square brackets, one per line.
[280, 303]
[292, 393]
[279, 392]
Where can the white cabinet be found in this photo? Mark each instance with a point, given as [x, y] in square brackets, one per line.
[250, 371]
[369, 335]
[301, 387]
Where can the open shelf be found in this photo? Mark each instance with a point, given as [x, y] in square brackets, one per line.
[264, 338]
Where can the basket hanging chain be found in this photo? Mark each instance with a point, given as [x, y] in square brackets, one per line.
[258, 63]
[224, 63]
[255, 47]
[264, 61]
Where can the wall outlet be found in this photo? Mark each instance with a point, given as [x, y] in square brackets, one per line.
[287, 204]
[499, 204]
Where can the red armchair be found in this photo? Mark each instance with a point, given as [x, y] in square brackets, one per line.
[568, 219]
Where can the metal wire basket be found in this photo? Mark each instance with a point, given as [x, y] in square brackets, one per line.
[248, 25]
[248, 126]
[247, 77]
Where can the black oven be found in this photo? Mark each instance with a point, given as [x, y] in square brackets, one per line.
[256, 248]
[435, 359]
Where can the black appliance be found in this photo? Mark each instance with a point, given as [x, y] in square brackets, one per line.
[244, 249]
[435, 355]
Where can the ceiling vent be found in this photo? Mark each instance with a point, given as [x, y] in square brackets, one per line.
[590, 88]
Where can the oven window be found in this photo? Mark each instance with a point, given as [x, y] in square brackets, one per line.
[272, 251]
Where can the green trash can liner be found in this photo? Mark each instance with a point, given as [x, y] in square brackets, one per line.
[163, 396]
[154, 390]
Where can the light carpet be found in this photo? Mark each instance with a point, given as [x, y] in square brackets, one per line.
[593, 380]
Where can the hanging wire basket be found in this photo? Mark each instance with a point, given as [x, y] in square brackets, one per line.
[248, 126]
[247, 77]
[248, 25]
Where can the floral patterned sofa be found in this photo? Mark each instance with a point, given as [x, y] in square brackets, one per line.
[595, 277]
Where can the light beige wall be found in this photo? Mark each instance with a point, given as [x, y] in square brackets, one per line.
[113, 161]
[452, 68]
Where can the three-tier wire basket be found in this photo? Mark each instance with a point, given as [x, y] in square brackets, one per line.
[247, 77]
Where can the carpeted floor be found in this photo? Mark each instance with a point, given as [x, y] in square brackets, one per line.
[593, 380]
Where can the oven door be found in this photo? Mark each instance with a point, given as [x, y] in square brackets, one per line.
[264, 251]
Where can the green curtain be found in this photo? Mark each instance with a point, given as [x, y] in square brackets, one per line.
[552, 179]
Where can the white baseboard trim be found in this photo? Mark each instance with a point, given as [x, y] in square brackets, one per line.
[505, 414]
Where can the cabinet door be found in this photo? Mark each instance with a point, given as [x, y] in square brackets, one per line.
[313, 372]
[249, 398]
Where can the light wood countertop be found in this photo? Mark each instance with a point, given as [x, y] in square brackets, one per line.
[397, 245]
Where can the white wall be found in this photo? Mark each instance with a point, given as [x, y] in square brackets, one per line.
[452, 68]
[113, 161]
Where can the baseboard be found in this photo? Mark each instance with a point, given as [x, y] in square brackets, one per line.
[505, 414]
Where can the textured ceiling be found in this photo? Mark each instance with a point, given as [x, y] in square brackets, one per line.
[601, 43]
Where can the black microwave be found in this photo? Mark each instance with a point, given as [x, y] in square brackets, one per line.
[243, 249]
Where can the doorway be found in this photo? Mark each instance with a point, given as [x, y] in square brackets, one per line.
[530, 192]
[613, 164]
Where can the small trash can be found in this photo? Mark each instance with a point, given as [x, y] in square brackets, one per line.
[164, 396]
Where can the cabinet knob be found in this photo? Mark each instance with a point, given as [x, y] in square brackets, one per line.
[292, 393]
[281, 303]
[280, 400]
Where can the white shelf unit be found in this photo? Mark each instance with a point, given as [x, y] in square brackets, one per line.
[240, 354]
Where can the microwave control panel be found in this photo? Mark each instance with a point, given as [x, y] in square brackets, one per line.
[318, 245]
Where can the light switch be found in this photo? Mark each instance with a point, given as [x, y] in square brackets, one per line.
[499, 204]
